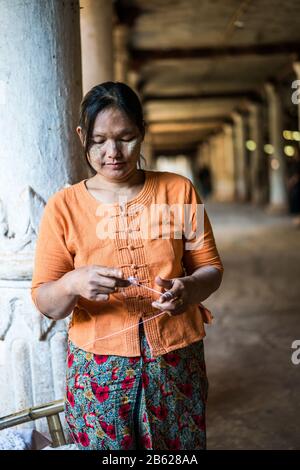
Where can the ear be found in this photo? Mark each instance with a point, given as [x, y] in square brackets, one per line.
[79, 132]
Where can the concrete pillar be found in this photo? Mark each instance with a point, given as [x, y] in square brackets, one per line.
[41, 70]
[222, 165]
[96, 27]
[217, 152]
[258, 160]
[240, 156]
[203, 156]
[278, 190]
[133, 80]
[296, 67]
[147, 152]
[228, 164]
[121, 59]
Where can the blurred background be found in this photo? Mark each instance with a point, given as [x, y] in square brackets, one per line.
[219, 81]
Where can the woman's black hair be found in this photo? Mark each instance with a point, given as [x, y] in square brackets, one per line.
[107, 94]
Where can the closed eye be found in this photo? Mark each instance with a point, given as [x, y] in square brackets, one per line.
[93, 142]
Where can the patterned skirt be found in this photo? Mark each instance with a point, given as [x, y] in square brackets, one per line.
[124, 403]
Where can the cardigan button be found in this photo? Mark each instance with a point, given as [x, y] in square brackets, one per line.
[134, 266]
[131, 247]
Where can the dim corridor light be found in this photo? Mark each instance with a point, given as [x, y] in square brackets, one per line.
[269, 149]
[291, 135]
[250, 145]
[296, 136]
[288, 135]
[289, 150]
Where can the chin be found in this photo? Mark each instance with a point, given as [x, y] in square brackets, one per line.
[123, 169]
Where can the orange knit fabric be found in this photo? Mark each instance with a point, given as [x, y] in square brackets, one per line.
[71, 235]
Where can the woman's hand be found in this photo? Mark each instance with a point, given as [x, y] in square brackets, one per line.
[188, 290]
[178, 295]
[96, 282]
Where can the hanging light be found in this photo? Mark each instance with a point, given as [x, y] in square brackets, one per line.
[287, 135]
[269, 149]
[296, 136]
[289, 150]
[250, 145]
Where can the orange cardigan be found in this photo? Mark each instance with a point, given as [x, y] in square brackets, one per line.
[71, 235]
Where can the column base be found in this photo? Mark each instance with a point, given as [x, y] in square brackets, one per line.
[276, 209]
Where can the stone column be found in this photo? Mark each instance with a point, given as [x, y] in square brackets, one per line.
[217, 155]
[121, 59]
[278, 190]
[203, 156]
[96, 27]
[240, 156]
[40, 70]
[229, 177]
[133, 80]
[258, 160]
[222, 165]
[147, 151]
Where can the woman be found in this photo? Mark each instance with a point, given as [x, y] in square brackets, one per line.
[136, 372]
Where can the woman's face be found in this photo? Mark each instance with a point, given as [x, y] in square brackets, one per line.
[116, 143]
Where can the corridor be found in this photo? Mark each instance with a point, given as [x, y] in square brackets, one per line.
[254, 387]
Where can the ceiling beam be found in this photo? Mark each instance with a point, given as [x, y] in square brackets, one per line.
[140, 56]
[247, 94]
[179, 127]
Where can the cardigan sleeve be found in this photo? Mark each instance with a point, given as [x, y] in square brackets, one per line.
[199, 232]
[52, 257]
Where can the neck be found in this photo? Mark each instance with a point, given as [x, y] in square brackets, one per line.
[132, 178]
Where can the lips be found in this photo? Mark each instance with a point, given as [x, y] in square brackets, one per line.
[116, 164]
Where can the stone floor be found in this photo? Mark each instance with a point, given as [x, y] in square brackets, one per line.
[254, 396]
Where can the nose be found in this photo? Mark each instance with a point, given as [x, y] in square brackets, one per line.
[112, 150]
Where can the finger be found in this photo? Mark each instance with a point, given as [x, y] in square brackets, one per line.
[110, 272]
[174, 304]
[170, 294]
[174, 312]
[166, 283]
[163, 305]
[111, 282]
[102, 297]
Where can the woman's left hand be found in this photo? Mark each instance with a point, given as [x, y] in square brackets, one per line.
[178, 295]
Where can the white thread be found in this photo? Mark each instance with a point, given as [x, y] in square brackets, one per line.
[124, 329]
[134, 281]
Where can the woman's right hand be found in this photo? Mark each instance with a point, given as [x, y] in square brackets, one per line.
[96, 282]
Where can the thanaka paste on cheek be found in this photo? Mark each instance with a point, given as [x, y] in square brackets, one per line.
[131, 145]
[95, 150]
